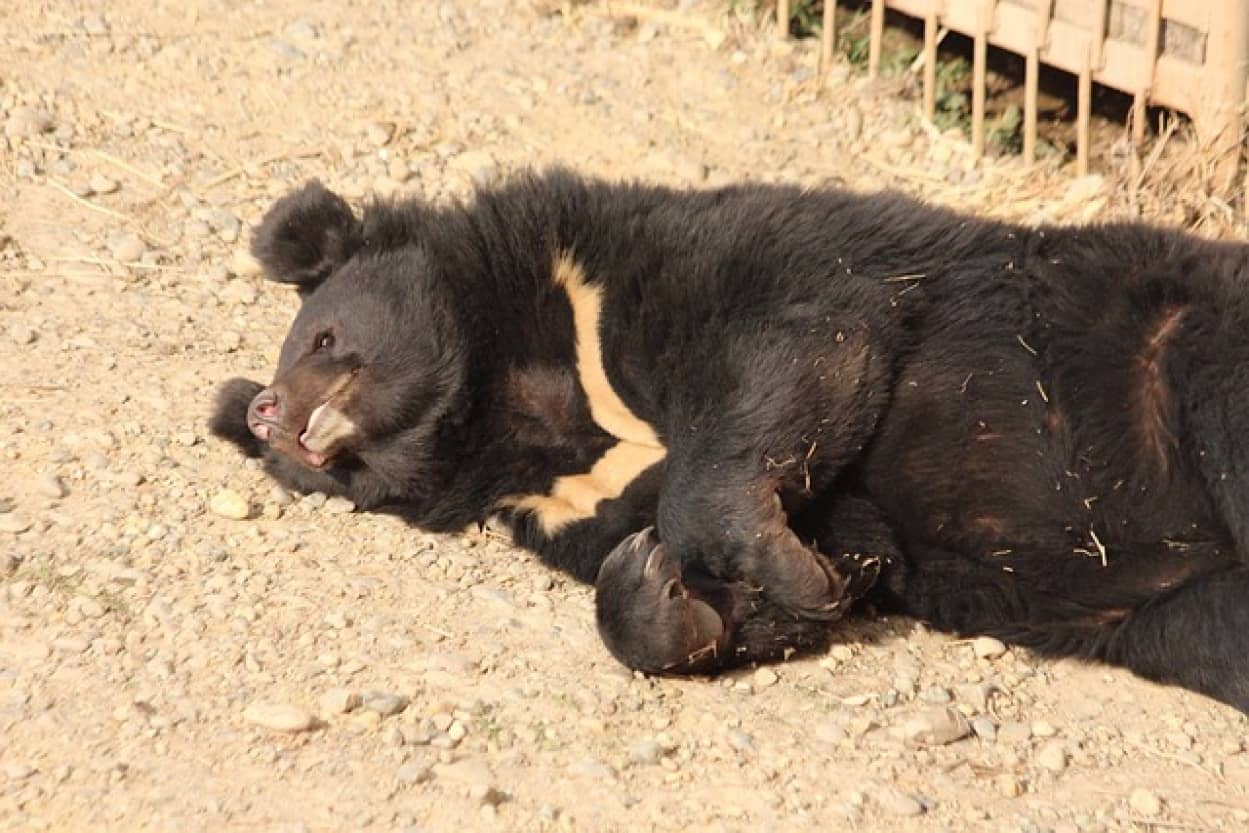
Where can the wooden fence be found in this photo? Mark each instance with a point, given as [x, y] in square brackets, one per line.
[1187, 55]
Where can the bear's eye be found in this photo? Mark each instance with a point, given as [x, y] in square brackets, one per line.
[325, 341]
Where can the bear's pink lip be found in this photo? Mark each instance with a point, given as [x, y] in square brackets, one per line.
[316, 459]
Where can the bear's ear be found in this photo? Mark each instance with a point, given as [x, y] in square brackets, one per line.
[305, 236]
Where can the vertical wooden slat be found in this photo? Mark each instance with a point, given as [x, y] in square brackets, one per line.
[1151, 47]
[1084, 111]
[877, 36]
[782, 19]
[1099, 33]
[930, 60]
[1031, 78]
[1244, 191]
[828, 35]
[1219, 117]
[979, 70]
[1044, 11]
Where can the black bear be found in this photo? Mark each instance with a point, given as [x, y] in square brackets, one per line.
[741, 410]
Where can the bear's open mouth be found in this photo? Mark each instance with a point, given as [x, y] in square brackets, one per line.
[325, 432]
[312, 435]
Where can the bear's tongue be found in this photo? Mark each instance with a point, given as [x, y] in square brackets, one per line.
[314, 458]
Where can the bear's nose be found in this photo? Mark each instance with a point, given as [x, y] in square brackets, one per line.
[264, 412]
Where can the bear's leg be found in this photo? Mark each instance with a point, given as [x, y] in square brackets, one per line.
[1190, 636]
[656, 617]
[771, 423]
[739, 531]
[1193, 637]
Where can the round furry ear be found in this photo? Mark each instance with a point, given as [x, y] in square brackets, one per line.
[305, 236]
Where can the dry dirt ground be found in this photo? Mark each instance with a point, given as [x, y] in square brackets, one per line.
[156, 655]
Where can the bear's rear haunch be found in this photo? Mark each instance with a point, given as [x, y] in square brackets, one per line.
[740, 411]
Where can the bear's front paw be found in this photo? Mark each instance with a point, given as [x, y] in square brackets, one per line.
[651, 619]
[229, 416]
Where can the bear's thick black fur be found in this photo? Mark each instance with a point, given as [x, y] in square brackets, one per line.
[766, 403]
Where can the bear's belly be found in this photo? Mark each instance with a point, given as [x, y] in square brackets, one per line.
[979, 460]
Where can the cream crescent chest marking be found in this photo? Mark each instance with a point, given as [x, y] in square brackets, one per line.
[575, 497]
[606, 407]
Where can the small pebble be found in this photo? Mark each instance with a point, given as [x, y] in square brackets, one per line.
[1043, 729]
[897, 803]
[130, 478]
[230, 504]
[279, 717]
[765, 677]
[841, 653]
[398, 170]
[339, 506]
[18, 772]
[413, 772]
[984, 729]
[313, 500]
[366, 721]
[384, 703]
[27, 121]
[49, 485]
[646, 752]
[379, 133]
[986, 647]
[90, 608]
[340, 701]
[1145, 802]
[23, 335]
[13, 523]
[101, 184]
[1014, 733]
[976, 695]
[937, 727]
[1052, 756]
[127, 247]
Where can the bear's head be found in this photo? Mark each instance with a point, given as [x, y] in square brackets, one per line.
[373, 360]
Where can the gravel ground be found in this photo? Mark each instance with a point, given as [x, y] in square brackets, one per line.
[185, 647]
